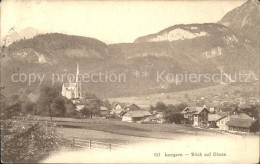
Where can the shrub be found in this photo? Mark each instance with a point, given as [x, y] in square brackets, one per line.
[24, 141]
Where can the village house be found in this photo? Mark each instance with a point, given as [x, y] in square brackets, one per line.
[213, 117]
[136, 115]
[117, 108]
[103, 111]
[188, 115]
[197, 116]
[222, 122]
[157, 117]
[131, 107]
[238, 125]
[200, 117]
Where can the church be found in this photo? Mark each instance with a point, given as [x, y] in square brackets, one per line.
[72, 90]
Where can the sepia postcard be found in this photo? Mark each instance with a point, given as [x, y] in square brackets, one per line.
[120, 81]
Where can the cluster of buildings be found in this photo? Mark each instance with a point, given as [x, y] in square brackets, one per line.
[229, 119]
[215, 114]
[134, 113]
[225, 119]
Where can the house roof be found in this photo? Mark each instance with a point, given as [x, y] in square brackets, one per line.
[103, 108]
[79, 107]
[200, 109]
[138, 113]
[214, 117]
[69, 84]
[222, 114]
[238, 122]
[237, 116]
[244, 106]
[241, 116]
[195, 110]
[116, 103]
[190, 109]
[227, 109]
[131, 105]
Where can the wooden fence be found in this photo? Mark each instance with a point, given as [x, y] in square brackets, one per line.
[90, 144]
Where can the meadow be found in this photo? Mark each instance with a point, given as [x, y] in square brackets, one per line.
[97, 127]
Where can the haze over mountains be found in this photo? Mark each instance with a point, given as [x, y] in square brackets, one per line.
[194, 48]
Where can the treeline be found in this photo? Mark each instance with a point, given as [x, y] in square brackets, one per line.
[49, 102]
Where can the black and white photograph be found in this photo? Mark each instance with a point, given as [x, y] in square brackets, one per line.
[120, 81]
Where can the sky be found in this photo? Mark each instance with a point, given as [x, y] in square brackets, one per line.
[108, 21]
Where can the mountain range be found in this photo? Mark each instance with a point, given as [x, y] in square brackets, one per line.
[230, 44]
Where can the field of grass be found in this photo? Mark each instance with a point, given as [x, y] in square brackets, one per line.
[158, 131]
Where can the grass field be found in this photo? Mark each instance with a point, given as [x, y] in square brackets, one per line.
[89, 127]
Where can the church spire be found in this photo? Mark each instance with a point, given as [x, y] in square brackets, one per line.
[77, 75]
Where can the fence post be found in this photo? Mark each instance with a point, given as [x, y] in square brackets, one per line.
[89, 144]
[110, 147]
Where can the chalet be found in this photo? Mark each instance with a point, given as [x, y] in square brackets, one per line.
[222, 122]
[211, 107]
[135, 115]
[213, 118]
[239, 125]
[200, 117]
[131, 107]
[151, 120]
[117, 108]
[188, 115]
[157, 117]
[103, 111]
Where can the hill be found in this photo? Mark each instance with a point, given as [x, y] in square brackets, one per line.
[244, 20]
[180, 49]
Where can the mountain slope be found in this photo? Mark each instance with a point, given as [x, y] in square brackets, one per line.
[244, 20]
[56, 48]
[204, 42]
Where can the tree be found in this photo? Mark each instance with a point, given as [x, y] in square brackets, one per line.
[27, 107]
[160, 106]
[181, 106]
[58, 106]
[70, 109]
[92, 108]
[47, 95]
[10, 106]
[152, 108]
[173, 116]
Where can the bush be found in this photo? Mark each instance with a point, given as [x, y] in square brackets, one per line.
[22, 141]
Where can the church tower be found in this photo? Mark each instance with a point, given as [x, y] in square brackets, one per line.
[72, 90]
[78, 83]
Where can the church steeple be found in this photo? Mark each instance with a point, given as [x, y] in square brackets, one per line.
[78, 83]
[77, 74]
